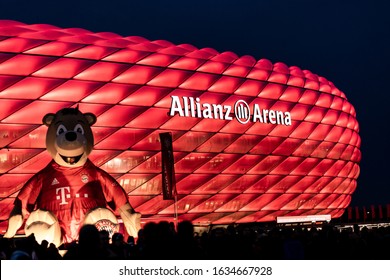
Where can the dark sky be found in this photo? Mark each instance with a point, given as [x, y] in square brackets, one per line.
[347, 42]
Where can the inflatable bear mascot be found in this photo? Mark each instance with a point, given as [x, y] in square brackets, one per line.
[70, 191]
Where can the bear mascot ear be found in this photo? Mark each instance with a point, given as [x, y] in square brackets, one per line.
[91, 118]
[48, 119]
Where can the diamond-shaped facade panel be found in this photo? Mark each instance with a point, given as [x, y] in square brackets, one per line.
[252, 140]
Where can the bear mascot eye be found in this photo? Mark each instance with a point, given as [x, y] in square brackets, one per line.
[79, 129]
[61, 129]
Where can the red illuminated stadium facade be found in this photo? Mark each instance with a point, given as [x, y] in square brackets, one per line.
[252, 140]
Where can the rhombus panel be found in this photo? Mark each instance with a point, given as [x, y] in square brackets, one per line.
[252, 139]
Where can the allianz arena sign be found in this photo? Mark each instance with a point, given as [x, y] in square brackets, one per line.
[192, 107]
[252, 140]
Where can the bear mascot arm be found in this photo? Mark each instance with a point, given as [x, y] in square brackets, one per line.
[70, 191]
[15, 219]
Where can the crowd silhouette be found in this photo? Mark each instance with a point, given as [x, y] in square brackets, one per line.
[163, 240]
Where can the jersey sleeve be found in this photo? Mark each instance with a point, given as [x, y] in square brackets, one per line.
[115, 195]
[29, 193]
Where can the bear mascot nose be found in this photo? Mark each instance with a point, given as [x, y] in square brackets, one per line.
[70, 136]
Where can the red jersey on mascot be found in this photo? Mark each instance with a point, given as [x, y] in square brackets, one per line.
[70, 191]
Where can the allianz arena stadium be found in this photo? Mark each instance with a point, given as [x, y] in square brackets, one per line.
[252, 140]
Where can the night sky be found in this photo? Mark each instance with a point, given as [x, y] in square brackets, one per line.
[347, 42]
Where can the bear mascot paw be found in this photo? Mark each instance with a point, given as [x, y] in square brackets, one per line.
[70, 191]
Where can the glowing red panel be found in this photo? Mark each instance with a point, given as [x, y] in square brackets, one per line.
[24, 64]
[324, 100]
[12, 158]
[63, 68]
[123, 138]
[154, 205]
[303, 130]
[120, 115]
[137, 75]
[323, 150]
[216, 184]
[18, 45]
[191, 140]
[306, 166]
[272, 91]
[217, 143]
[288, 147]
[299, 202]
[153, 164]
[35, 138]
[309, 97]
[278, 78]
[330, 117]
[126, 55]
[125, 161]
[231, 218]
[158, 59]
[109, 93]
[243, 164]
[151, 187]
[209, 218]
[192, 161]
[145, 96]
[267, 165]
[102, 72]
[259, 202]
[226, 85]
[199, 81]
[191, 182]
[296, 81]
[91, 52]
[286, 167]
[177, 123]
[205, 53]
[259, 74]
[316, 114]
[152, 141]
[236, 203]
[279, 201]
[250, 88]
[267, 145]
[242, 183]
[218, 163]
[186, 204]
[152, 118]
[212, 203]
[34, 164]
[30, 88]
[10, 132]
[209, 126]
[71, 91]
[24, 115]
[187, 63]
[100, 157]
[170, 78]
[133, 181]
[244, 144]
[54, 48]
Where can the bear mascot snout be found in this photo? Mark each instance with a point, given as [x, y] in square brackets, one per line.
[70, 191]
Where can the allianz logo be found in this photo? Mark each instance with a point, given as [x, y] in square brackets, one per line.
[193, 107]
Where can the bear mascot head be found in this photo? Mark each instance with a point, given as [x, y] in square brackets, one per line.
[70, 191]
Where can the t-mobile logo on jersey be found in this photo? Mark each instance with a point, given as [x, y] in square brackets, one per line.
[62, 194]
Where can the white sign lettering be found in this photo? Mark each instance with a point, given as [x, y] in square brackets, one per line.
[192, 107]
